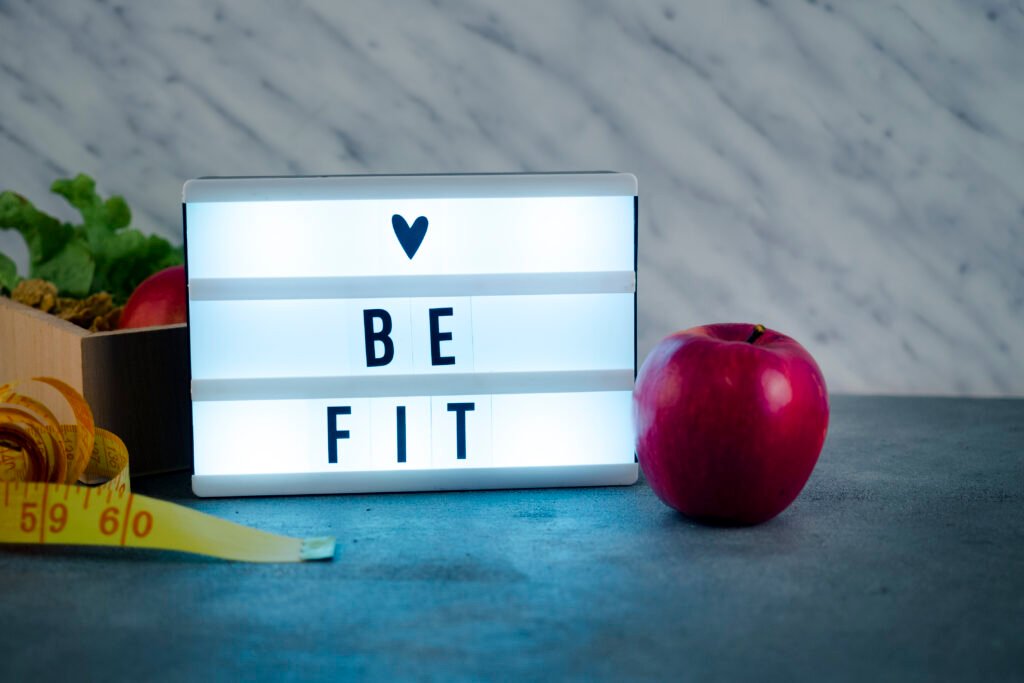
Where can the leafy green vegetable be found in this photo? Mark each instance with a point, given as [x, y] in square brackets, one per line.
[8, 274]
[101, 254]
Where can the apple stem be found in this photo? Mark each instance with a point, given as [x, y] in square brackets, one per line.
[758, 331]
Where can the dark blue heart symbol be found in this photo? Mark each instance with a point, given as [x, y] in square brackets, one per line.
[410, 238]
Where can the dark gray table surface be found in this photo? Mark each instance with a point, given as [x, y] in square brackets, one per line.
[903, 559]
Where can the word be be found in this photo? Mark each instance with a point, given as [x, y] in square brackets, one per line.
[372, 337]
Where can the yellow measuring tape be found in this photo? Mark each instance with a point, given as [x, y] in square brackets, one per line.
[42, 461]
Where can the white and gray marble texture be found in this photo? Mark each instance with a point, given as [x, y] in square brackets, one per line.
[850, 173]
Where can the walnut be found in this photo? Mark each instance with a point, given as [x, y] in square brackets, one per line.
[107, 322]
[37, 294]
[96, 312]
[83, 312]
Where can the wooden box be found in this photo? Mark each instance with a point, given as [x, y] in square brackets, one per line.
[136, 381]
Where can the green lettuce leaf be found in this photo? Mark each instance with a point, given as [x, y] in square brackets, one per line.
[71, 269]
[8, 274]
[101, 254]
[44, 234]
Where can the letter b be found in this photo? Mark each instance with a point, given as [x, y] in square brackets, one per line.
[383, 336]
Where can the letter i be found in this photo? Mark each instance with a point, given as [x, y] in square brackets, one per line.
[400, 420]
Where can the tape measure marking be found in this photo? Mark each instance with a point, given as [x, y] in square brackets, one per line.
[61, 514]
[33, 444]
[42, 524]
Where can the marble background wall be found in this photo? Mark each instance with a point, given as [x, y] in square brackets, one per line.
[851, 173]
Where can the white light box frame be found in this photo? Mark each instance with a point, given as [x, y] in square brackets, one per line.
[411, 333]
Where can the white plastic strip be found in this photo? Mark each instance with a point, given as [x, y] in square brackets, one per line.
[408, 186]
[617, 474]
[448, 384]
[504, 284]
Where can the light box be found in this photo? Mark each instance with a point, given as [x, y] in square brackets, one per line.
[410, 333]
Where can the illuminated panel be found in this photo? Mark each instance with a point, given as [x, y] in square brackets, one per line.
[535, 430]
[242, 339]
[287, 239]
[411, 333]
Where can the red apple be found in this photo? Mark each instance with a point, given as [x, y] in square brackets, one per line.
[160, 299]
[730, 419]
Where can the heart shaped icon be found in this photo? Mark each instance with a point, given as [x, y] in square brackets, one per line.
[409, 238]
